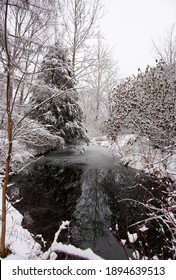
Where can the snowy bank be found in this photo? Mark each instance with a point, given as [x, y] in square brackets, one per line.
[138, 152]
[19, 241]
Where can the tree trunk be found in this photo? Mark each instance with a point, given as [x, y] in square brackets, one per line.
[4, 188]
[9, 132]
[7, 165]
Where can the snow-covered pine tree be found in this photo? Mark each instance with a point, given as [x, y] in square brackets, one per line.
[62, 115]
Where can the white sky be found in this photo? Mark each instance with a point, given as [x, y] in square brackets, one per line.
[131, 25]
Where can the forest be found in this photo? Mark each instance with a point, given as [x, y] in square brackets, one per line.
[60, 88]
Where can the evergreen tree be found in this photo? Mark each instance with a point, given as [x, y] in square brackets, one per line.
[62, 115]
[56, 69]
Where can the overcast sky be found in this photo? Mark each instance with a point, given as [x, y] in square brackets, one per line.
[131, 25]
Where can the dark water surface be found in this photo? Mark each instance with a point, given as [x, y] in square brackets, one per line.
[88, 190]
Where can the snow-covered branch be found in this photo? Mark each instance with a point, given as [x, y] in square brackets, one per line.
[57, 247]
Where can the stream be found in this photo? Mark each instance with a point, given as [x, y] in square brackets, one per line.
[97, 195]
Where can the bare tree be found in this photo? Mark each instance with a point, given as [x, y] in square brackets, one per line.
[79, 21]
[166, 49]
[100, 79]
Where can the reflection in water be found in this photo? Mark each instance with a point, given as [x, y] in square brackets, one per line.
[49, 196]
[93, 218]
[89, 198]
[92, 212]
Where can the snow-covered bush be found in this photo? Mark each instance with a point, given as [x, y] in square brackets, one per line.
[145, 104]
[36, 137]
[29, 139]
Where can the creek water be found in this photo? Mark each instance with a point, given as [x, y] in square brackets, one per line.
[95, 193]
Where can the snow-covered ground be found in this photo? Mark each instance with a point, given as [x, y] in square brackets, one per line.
[135, 152]
[18, 240]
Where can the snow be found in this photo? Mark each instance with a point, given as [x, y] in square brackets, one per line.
[143, 228]
[136, 255]
[70, 249]
[18, 240]
[132, 237]
[21, 153]
[123, 241]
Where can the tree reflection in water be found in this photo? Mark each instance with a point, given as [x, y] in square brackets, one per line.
[93, 217]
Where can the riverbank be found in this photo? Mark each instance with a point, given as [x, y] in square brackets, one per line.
[138, 153]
